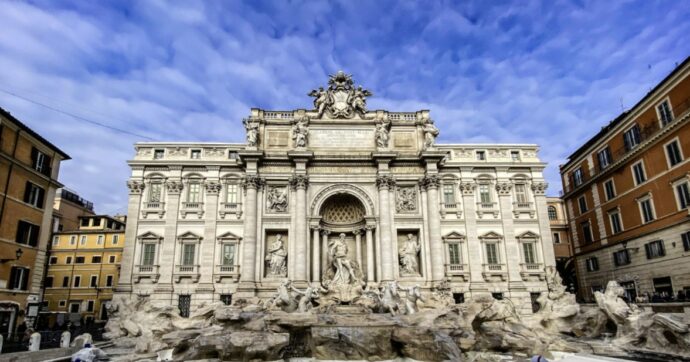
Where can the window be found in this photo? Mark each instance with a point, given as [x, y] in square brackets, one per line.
[492, 253]
[663, 285]
[183, 302]
[664, 112]
[621, 257]
[158, 154]
[96, 222]
[556, 238]
[521, 193]
[582, 202]
[631, 137]
[109, 281]
[586, 232]
[188, 254]
[79, 260]
[19, 278]
[111, 259]
[484, 193]
[638, 173]
[82, 240]
[515, 155]
[65, 282]
[615, 219]
[553, 215]
[228, 256]
[529, 253]
[40, 162]
[481, 155]
[56, 240]
[155, 192]
[62, 303]
[89, 306]
[459, 298]
[68, 260]
[610, 189]
[34, 195]
[448, 194]
[84, 222]
[95, 259]
[27, 233]
[116, 239]
[53, 260]
[655, 249]
[646, 210]
[604, 157]
[99, 240]
[686, 240]
[673, 154]
[578, 177]
[231, 197]
[74, 307]
[454, 254]
[226, 299]
[94, 281]
[148, 254]
[77, 281]
[194, 193]
[196, 154]
[683, 195]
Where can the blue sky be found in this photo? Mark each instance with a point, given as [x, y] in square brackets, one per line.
[545, 72]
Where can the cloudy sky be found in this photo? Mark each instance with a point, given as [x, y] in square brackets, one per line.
[550, 72]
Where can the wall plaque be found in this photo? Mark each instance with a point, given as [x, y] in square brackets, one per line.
[341, 138]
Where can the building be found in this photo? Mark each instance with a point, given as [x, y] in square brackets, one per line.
[627, 194]
[562, 247]
[67, 209]
[29, 167]
[314, 194]
[83, 268]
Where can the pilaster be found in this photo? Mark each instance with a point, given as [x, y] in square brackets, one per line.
[512, 249]
[208, 244]
[167, 260]
[384, 183]
[431, 183]
[136, 189]
[300, 183]
[474, 247]
[247, 270]
[539, 191]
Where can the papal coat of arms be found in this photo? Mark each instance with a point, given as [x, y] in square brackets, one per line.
[341, 99]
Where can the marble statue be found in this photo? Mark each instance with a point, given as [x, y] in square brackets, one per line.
[285, 297]
[277, 199]
[35, 342]
[430, 134]
[406, 199]
[358, 100]
[309, 295]
[321, 100]
[252, 128]
[413, 294]
[382, 134]
[408, 256]
[390, 298]
[65, 338]
[300, 131]
[340, 262]
[276, 257]
[341, 99]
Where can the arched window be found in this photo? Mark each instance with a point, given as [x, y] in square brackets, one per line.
[553, 215]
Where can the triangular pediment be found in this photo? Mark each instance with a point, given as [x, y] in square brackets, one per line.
[189, 235]
[228, 235]
[528, 235]
[149, 235]
[454, 235]
[491, 235]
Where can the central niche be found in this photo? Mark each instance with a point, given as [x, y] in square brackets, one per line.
[342, 209]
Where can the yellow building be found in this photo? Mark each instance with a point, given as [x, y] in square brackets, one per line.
[83, 269]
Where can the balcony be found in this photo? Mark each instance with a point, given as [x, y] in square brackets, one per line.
[228, 208]
[532, 271]
[520, 207]
[226, 271]
[146, 271]
[495, 272]
[452, 208]
[196, 208]
[186, 271]
[458, 270]
[153, 207]
[487, 208]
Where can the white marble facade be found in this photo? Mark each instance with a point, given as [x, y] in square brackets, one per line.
[209, 220]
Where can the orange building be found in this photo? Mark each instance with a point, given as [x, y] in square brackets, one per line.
[29, 167]
[627, 195]
[67, 209]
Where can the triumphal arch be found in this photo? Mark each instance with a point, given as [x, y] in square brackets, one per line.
[338, 198]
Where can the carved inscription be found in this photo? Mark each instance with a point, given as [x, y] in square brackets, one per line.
[403, 140]
[341, 138]
[278, 138]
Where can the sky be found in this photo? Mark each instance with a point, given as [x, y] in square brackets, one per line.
[546, 72]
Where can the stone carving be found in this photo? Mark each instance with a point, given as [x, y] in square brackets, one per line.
[300, 131]
[253, 181]
[409, 265]
[214, 151]
[383, 133]
[539, 188]
[467, 188]
[177, 151]
[413, 294]
[406, 200]
[299, 181]
[430, 182]
[135, 187]
[277, 199]
[504, 188]
[174, 187]
[430, 134]
[343, 278]
[341, 99]
[252, 127]
[213, 188]
[276, 258]
[340, 189]
[143, 151]
[385, 182]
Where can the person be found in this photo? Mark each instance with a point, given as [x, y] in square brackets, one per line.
[538, 358]
[88, 354]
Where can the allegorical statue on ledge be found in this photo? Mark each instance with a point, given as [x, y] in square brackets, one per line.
[252, 128]
[300, 131]
[276, 257]
[430, 133]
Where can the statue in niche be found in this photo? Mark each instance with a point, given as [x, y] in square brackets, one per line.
[408, 256]
[276, 257]
[406, 199]
[252, 128]
[382, 134]
[340, 262]
[300, 130]
[430, 133]
[277, 199]
[321, 100]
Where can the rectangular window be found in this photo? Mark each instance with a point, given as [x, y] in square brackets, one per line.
[582, 202]
[158, 154]
[586, 232]
[96, 222]
[19, 278]
[448, 194]
[664, 111]
[673, 153]
[79, 260]
[686, 241]
[481, 155]
[655, 249]
[515, 155]
[40, 162]
[615, 219]
[148, 255]
[188, 254]
[95, 259]
[74, 307]
[84, 221]
[77, 281]
[492, 253]
[155, 192]
[109, 281]
[632, 138]
[90, 305]
[196, 154]
[65, 282]
[53, 260]
[485, 193]
[578, 177]
[116, 239]
[521, 193]
[27, 233]
[49, 282]
[68, 260]
[556, 238]
[604, 157]
[73, 240]
[56, 240]
[94, 281]
[454, 254]
[111, 259]
[683, 194]
[528, 252]
[228, 254]
[82, 240]
[638, 173]
[231, 193]
[62, 303]
[621, 257]
[226, 299]
[646, 210]
[34, 195]
[194, 192]
[99, 240]
[610, 189]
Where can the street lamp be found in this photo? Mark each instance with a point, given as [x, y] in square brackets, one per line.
[18, 254]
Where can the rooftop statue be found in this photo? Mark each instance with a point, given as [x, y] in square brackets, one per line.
[342, 99]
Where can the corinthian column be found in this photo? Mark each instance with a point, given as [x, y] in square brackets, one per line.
[316, 254]
[384, 183]
[299, 184]
[136, 188]
[431, 183]
[251, 184]
[370, 253]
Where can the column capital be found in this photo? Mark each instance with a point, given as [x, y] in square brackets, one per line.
[174, 187]
[430, 182]
[253, 182]
[135, 187]
[539, 187]
[385, 182]
[468, 187]
[325, 231]
[504, 188]
[315, 227]
[299, 182]
[357, 231]
[212, 188]
[369, 227]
